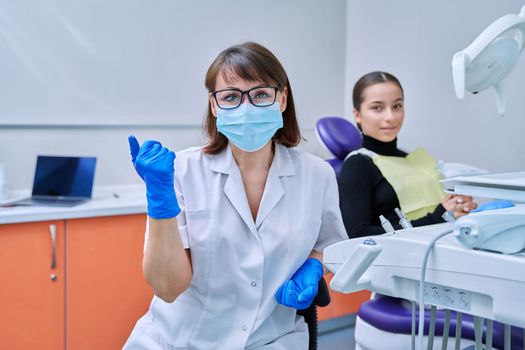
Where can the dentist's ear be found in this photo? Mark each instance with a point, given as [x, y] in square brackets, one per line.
[283, 99]
[213, 107]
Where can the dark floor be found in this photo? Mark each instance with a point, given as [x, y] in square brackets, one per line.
[337, 334]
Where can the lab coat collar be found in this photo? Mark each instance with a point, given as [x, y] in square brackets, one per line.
[283, 161]
[282, 165]
[224, 162]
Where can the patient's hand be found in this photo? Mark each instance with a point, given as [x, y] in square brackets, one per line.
[459, 204]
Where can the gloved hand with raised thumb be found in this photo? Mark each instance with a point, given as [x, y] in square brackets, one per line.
[155, 165]
[299, 291]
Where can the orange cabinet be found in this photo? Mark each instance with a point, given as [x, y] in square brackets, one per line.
[32, 286]
[106, 290]
[93, 296]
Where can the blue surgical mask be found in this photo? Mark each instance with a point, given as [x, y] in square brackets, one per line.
[249, 127]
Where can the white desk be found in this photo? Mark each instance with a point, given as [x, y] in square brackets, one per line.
[106, 201]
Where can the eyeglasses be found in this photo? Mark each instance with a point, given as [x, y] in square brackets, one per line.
[260, 96]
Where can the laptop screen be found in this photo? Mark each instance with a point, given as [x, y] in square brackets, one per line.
[64, 176]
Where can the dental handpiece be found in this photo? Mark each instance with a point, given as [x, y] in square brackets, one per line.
[403, 221]
[387, 226]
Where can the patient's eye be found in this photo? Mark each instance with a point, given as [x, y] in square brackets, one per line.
[398, 106]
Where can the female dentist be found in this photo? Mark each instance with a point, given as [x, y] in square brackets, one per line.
[236, 233]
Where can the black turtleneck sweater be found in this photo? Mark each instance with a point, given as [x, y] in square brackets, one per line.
[364, 193]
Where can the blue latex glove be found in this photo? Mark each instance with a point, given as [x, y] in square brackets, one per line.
[497, 204]
[155, 165]
[299, 291]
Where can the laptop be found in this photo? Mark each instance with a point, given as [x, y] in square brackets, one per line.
[61, 181]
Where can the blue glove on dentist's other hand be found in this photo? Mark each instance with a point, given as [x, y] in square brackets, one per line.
[155, 165]
[299, 291]
[496, 204]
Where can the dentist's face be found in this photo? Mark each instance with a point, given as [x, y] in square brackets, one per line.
[381, 113]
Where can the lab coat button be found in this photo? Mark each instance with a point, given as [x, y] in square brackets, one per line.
[254, 283]
[244, 328]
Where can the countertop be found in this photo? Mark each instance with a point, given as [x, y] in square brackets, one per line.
[106, 201]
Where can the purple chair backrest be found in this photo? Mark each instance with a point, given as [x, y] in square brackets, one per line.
[339, 136]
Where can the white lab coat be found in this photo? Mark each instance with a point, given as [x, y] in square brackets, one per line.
[239, 264]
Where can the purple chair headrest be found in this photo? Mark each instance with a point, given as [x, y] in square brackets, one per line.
[338, 135]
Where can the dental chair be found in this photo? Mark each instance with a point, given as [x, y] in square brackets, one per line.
[339, 137]
[385, 323]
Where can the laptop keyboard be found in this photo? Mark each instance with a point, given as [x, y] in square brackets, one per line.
[51, 201]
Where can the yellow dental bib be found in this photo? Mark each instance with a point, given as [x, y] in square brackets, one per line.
[415, 179]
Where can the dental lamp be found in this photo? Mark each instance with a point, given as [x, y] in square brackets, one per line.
[490, 58]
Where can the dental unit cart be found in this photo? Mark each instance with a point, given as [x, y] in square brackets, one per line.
[476, 268]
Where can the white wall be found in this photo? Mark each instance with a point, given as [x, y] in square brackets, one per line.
[415, 40]
[412, 39]
[79, 76]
